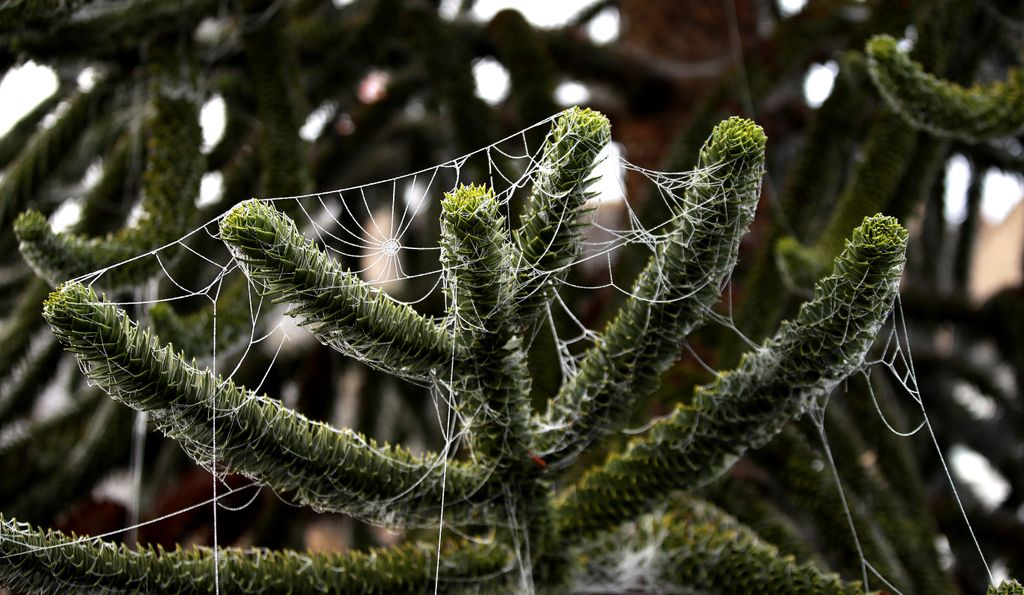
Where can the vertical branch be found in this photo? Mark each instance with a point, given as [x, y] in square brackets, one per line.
[491, 381]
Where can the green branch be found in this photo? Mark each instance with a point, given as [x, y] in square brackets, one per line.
[111, 29]
[884, 159]
[523, 50]
[225, 328]
[271, 67]
[812, 181]
[85, 460]
[24, 13]
[283, 169]
[340, 309]
[672, 296]
[104, 207]
[549, 236]
[491, 383]
[942, 107]
[793, 462]
[170, 187]
[707, 551]
[1007, 587]
[751, 505]
[450, 63]
[305, 461]
[791, 374]
[37, 561]
[45, 151]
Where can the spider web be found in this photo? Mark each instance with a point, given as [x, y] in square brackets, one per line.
[386, 232]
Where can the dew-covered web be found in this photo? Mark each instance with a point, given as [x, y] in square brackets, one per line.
[896, 360]
[386, 234]
[890, 364]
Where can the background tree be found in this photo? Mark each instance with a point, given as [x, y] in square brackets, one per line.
[394, 82]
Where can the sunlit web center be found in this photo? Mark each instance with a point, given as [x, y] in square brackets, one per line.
[391, 247]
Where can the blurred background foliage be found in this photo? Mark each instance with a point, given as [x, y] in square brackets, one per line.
[313, 94]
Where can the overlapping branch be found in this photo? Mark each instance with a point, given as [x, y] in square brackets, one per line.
[491, 382]
[47, 148]
[789, 375]
[549, 236]
[339, 308]
[170, 187]
[672, 296]
[305, 461]
[942, 107]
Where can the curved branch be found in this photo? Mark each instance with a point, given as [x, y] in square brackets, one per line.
[672, 296]
[792, 373]
[340, 309]
[942, 107]
[305, 461]
[549, 235]
[170, 186]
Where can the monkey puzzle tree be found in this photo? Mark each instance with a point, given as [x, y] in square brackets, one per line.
[504, 452]
[480, 354]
